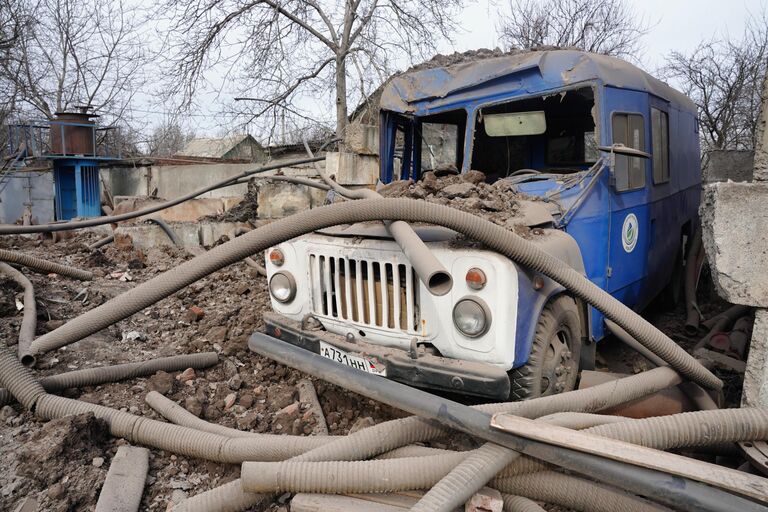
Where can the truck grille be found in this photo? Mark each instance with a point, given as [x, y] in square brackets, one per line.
[373, 293]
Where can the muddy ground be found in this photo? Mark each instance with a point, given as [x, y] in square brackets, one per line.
[62, 464]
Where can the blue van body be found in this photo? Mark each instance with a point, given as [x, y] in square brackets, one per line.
[630, 238]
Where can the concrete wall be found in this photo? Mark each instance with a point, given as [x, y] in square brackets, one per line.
[170, 181]
[15, 195]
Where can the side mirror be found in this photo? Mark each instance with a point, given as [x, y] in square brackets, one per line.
[626, 166]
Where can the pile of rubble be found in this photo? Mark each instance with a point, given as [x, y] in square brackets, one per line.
[61, 464]
[467, 192]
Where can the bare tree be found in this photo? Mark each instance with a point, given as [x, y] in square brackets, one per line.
[74, 52]
[724, 78]
[168, 138]
[611, 27]
[286, 55]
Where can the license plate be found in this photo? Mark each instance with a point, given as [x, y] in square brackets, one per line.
[360, 363]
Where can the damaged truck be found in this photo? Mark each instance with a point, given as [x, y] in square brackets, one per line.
[603, 163]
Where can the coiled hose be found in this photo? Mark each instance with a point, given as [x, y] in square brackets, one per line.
[249, 260]
[702, 428]
[172, 236]
[29, 319]
[102, 375]
[466, 478]
[178, 415]
[182, 440]
[495, 237]
[574, 493]
[427, 267]
[393, 434]
[102, 242]
[387, 475]
[520, 504]
[471, 475]
[44, 265]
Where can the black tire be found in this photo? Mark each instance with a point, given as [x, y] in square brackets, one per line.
[553, 366]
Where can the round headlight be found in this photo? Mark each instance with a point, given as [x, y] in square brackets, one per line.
[282, 286]
[471, 317]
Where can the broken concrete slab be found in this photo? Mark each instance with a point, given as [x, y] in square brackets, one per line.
[734, 222]
[185, 212]
[125, 480]
[485, 500]
[352, 168]
[205, 234]
[362, 139]
[755, 392]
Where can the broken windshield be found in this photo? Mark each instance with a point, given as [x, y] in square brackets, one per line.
[558, 136]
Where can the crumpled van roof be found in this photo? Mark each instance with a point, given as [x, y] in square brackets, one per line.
[412, 91]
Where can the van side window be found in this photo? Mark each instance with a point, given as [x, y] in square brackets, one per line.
[660, 145]
[629, 171]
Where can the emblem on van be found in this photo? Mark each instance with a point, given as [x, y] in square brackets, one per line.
[629, 232]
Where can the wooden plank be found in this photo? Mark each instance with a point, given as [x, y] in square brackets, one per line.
[305, 502]
[392, 499]
[735, 481]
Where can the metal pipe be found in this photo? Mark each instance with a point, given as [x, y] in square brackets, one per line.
[674, 491]
[46, 228]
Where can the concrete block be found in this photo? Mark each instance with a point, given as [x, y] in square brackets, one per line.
[124, 485]
[485, 500]
[146, 236]
[353, 169]
[280, 199]
[734, 218]
[210, 232]
[362, 139]
[755, 392]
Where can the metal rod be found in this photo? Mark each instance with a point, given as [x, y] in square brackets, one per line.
[674, 491]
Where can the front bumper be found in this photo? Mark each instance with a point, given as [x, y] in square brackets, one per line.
[412, 368]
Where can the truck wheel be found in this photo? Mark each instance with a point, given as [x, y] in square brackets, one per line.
[553, 365]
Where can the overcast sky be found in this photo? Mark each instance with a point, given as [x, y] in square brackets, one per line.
[675, 25]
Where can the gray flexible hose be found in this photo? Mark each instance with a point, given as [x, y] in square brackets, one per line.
[104, 374]
[581, 420]
[387, 475]
[6, 229]
[393, 434]
[427, 267]
[474, 472]
[249, 260]
[470, 475]
[520, 504]
[574, 493]
[29, 319]
[167, 230]
[44, 265]
[178, 415]
[690, 429]
[495, 237]
[102, 242]
[141, 430]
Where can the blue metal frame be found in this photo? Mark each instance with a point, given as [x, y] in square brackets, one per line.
[78, 190]
[596, 210]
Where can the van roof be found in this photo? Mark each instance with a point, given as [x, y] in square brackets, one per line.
[415, 90]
